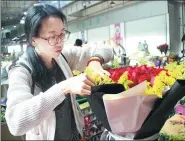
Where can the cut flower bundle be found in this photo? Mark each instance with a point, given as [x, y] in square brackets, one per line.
[131, 100]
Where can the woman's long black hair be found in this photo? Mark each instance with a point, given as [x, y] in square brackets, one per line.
[35, 16]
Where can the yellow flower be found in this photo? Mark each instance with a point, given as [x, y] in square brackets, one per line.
[175, 70]
[124, 80]
[75, 72]
[116, 63]
[99, 79]
[142, 62]
[158, 86]
[162, 80]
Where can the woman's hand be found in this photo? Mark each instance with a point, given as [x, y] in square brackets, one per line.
[97, 68]
[80, 84]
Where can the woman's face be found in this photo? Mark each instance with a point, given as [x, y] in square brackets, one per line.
[51, 33]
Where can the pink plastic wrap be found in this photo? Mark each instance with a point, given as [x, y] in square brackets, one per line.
[127, 111]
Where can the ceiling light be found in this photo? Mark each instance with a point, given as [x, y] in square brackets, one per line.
[37, 4]
[2, 28]
[84, 4]
[112, 3]
[25, 13]
[22, 21]
[14, 26]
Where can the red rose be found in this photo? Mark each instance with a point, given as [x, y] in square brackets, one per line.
[134, 76]
[137, 69]
[143, 68]
[151, 70]
[110, 71]
[130, 75]
[121, 70]
[152, 80]
[115, 76]
[129, 68]
[142, 78]
[132, 85]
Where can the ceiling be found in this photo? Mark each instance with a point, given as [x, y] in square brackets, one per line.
[12, 11]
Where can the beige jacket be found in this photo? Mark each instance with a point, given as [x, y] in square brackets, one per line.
[34, 115]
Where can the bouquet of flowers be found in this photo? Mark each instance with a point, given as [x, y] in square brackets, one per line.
[135, 102]
[163, 48]
[173, 129]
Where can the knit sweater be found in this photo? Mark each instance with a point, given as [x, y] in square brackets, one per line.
[33, 115]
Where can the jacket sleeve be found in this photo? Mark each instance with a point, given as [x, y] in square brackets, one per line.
[25, 111]
[78, 57]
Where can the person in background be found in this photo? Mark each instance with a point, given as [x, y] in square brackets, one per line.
[183, 39]
[146, 48]
[183, 51]
[78, 43]
[42, 104]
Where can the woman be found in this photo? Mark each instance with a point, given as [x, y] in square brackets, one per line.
[51, 112]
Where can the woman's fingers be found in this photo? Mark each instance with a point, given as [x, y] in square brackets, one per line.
[85, 92]
[86, 87]
[89, 80]
[81, 84]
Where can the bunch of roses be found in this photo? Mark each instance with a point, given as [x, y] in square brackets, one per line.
[136, 74]
[157, 78]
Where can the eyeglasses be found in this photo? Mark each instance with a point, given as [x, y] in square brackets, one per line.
[58, 38]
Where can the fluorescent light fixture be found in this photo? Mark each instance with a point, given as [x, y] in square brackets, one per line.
[112, 3]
